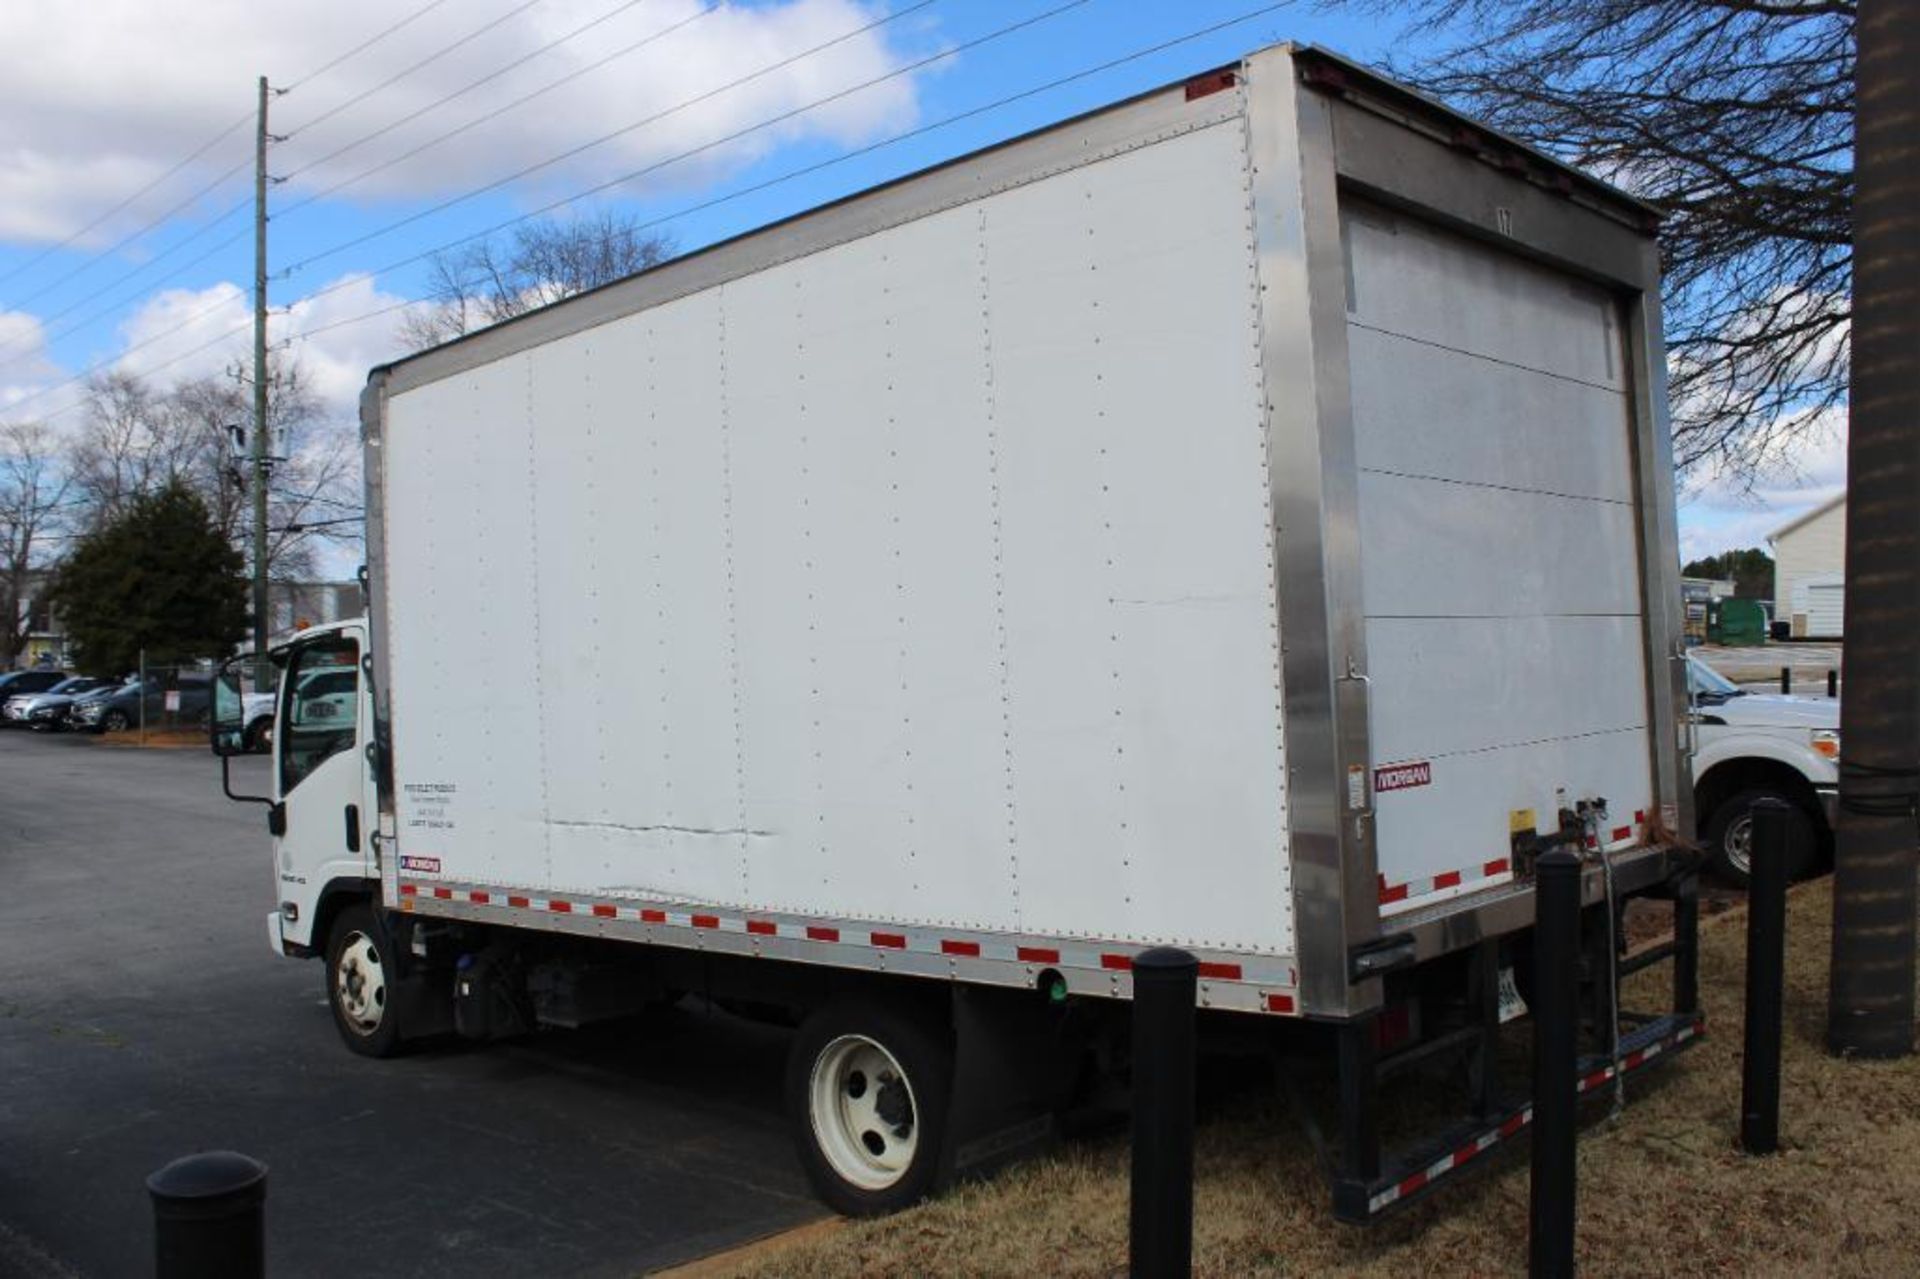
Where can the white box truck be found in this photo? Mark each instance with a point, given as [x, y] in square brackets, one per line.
[1237, 519]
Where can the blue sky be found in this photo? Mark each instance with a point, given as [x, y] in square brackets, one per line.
[99, 102]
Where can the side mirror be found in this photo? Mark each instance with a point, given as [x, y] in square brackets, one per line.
[227, 726]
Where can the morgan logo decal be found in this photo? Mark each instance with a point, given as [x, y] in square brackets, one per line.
[1402, 776]
[426, 865]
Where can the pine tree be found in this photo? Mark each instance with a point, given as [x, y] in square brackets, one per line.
[160, 577]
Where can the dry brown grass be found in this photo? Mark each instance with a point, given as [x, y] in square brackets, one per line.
[157, 738]
[1663, 1189]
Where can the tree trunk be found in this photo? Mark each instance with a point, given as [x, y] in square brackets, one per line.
[1871, 1006]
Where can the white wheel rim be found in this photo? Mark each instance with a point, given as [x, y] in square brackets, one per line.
[865, 1120]
[360, 984]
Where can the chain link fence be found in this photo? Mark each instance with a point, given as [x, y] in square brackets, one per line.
[157, 699]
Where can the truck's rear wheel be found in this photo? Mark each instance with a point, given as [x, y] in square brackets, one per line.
[867, 1094]
[360, 984]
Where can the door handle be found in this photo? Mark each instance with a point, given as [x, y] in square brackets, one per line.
[353, 828]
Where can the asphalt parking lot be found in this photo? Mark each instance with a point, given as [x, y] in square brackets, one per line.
[142, 1017]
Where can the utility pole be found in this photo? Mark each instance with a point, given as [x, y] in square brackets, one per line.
[261, 671]
[1871, 999]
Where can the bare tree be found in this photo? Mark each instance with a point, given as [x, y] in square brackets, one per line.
[138, 438]
[126, 447]
[541, 263]
[33, 502]
[1735, 119]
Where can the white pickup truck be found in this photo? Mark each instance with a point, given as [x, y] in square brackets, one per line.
[1749, 746]
[258, 713]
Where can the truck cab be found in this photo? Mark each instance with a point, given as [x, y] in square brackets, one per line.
[321, 793]
[1751, 746]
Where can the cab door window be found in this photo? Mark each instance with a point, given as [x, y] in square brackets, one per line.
[322, 687]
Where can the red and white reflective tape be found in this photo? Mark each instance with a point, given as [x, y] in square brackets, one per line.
[1248, 983]
[1454, 883]
[1632, 1061]
[1396, 897]
[1424, 1177]
[1619, 837]
[1448, 1162]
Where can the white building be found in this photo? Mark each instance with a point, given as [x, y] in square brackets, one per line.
[1809, 571]
[294, 606]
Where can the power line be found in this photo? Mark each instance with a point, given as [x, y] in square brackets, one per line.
[1111, 64]
[548, 163]
[436, 104]
[201, 150]
[181, 164]
[142, 269]
[362, 47]
[791, 174]
[398, 76]
[736, 135]
[478, 120]
[131, 236]
[315, 497]
[161, 336]
[177, 167]
[170, 331]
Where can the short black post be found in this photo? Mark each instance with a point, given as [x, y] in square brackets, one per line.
[1773, 828]
[209, 1213]
[1833, 683]
[1161, 1223]
[1556, 1025]
[1786, 679]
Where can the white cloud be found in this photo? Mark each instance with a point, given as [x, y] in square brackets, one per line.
[23, 349]
[102, 98]
[337, 360]
[27, 371]
[1722, 511]
[187, 333]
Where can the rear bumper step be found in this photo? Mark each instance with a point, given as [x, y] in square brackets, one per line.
[1361, 1202]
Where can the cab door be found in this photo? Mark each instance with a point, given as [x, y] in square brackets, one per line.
[321, 778]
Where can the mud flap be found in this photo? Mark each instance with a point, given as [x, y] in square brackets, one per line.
[1015, 1062]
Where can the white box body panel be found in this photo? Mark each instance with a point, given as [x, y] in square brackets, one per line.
[1499, 541]
[1133, 534]
[924, 580]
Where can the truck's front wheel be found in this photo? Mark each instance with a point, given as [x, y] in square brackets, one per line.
[867, 1093]
[1729, 838]
[360, 983]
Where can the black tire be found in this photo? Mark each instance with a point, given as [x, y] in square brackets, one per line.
[923, 1054]
[115, 721]
[1729, 831]
[259, 737]
[358, 952]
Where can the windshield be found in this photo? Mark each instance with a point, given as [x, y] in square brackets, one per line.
[1704, 681]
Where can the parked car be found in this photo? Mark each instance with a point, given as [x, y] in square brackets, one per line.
[115, 710]
[47, 711]
[34, 681]
[1751, 746]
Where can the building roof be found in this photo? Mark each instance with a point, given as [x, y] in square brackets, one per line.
[1808, 517]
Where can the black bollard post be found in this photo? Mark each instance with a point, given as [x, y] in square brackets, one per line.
[1556, 1025]
[1161, 1220]
[1833, 683]
[1786, 679]
[1767, 858]
[209, 1217]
